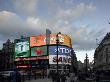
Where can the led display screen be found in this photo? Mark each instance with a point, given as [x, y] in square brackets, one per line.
[22, 49]
[39, 51]
[41, 40]
[62, 50]
[62, 59]
[32, 58]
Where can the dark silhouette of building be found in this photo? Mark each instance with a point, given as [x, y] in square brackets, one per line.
[8, 55]
[74, 63]
[102, 54]
[80, 65]
[1, 60]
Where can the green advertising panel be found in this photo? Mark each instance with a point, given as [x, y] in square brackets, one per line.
[39, 51]
[22, 49]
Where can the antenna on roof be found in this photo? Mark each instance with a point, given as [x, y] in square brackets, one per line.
[97, 42]
[108, 22]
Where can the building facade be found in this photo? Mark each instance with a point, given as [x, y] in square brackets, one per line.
[1, 60]
[80, 65]
[74, 62]
[102, 54]
[8, 55]
[39, 56]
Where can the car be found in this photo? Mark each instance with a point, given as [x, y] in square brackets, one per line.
[23, 72]
[6, 73]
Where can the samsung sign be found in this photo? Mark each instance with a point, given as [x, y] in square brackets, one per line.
[64, 55]
[62, 50]
[62, 59]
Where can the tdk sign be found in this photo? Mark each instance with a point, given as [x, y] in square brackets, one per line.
[62, 50]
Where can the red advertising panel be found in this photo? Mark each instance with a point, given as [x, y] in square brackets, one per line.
[32, 58]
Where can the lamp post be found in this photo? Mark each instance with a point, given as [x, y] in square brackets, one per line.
[57, 42]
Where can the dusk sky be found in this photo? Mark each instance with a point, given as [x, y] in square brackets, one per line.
[82, 20]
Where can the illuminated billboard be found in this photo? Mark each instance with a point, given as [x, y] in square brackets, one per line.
[62, 50]
[32, 58]
[41, 40]
[37, 40]
[22, 49]
[62, 59]
[39, 51]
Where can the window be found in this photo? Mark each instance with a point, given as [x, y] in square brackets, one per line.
[106, 50]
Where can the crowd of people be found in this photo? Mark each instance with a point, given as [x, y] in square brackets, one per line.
[62, 77]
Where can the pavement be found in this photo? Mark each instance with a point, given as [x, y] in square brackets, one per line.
[40, 80]
[49, 80]
[43, 80]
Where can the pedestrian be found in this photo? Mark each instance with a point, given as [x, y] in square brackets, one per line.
[75, 79]
[18, 77]
[97, 78]
[13, 76]
[63, 77]
[53, 77]
[72, 77]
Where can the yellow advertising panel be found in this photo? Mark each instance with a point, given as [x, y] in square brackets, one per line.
[41, 40]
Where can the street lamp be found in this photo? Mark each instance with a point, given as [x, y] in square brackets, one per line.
[57, 42]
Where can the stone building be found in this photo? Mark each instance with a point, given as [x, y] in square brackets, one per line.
[102, 54]
[74, 63]
[1, 60]
[80, 65]
[8, 55]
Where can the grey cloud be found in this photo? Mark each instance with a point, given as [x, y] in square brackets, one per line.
[82, 37]
[25, 7]
[12, 26]
[76, 12]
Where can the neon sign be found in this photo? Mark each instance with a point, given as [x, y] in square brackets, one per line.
[25, 66]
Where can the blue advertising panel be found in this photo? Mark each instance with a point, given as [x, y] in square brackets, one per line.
[62, 50]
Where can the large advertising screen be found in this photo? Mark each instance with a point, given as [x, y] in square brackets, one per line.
[62, 50]
[62, 59]
[41, 40]
[22, 49]
[39, 51]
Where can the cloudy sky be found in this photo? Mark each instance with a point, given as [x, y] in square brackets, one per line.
[82, 20]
